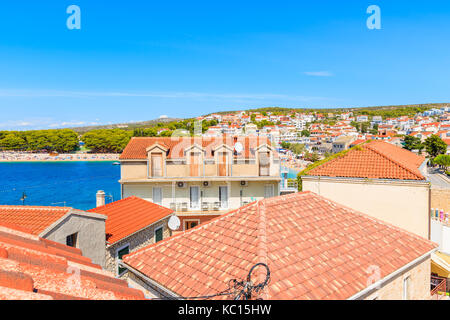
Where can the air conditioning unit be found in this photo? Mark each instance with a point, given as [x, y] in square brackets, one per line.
[206, 184]
[181, 184]
[244, 183]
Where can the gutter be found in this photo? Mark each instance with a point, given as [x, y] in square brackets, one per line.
[166, 291]
[390, 276]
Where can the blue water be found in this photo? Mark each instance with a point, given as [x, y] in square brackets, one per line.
[292, 174]
[51, 183]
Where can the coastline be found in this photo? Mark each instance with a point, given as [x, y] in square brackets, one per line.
[16, 157]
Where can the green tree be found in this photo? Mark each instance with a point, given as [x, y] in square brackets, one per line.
[443, 160]
[107, 140]
[297, 148]
[285, 145]
[12, 141]
[412, 143]
[435, 146]
[305, 133]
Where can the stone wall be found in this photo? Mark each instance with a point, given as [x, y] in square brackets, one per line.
[419, 284]
[440, 199]
[136, 241]
[90, 235]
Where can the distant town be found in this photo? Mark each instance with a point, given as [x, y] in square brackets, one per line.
[267, 204]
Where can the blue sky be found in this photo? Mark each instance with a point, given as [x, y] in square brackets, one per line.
[136, 60]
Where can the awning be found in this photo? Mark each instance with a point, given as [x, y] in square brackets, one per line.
[440, 264]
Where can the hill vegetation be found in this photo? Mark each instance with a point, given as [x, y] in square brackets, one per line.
[114, 138]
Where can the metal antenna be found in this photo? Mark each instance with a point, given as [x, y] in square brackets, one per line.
[24, 196]
[110, 196]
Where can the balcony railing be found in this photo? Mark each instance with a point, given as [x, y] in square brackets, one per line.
[438, 288]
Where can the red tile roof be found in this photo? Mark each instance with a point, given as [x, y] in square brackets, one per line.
[33, 268]
[35, 219]
[375, 160]
[136, 148]
[130, 215]
[315, 249]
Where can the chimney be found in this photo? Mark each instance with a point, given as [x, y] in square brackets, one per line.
[100, 198]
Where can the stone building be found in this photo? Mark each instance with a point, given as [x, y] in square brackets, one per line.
[71, 227]
[132, 223]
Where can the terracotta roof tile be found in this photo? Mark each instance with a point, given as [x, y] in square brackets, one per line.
[32, 218]
[32, 269]
[136, 148]
[130, 215]
[315, 249]
[374, 160]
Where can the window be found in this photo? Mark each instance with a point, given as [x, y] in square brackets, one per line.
[406, 284]
[71, 240]
[195, 197]
[264, 163]
[157, 195]
[223, 197]
[268, 191]
[157, 165]
[158, 234]
[189, 224]
[120, 253]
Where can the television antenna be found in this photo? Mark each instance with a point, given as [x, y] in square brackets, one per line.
[24, 196]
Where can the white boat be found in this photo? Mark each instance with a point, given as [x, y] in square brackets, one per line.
[116, 163]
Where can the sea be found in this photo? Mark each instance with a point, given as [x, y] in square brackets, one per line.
[65, 184]
[69, 184]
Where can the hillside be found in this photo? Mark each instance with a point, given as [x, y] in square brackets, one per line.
[385, 111]
[126, 126]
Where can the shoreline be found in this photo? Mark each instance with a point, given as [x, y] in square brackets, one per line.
[56, 161]
[16, 157]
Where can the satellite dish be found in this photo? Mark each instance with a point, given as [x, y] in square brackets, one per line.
[238, 147]
[174, 223]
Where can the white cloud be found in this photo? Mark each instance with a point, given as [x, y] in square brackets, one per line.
[319, 73]
[169, 95]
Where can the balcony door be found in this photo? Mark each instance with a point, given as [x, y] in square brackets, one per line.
[223, 197]
[157, 165]
[194, 166]
[223, 164]
[264, 163]
[195, 197]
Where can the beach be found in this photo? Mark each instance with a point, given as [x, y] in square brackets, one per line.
[44, 157]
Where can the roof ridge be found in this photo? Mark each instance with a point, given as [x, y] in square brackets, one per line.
[368, 146]
[114, 202]
[35, 207]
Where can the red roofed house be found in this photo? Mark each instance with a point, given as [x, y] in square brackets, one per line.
[314, 248]
[200, 178]
[72, 227]
[132, 223]
[379, 179]
[34, 268]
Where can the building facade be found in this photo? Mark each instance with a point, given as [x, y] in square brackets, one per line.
[200, 178]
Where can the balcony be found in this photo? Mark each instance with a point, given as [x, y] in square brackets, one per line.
[439, 290]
